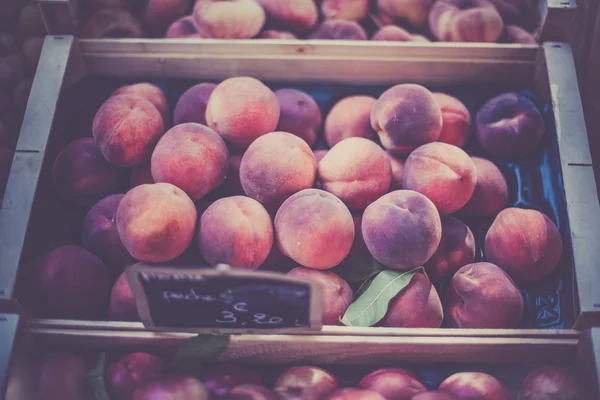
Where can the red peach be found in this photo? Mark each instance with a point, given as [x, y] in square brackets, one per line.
[491, 190]
[551, 382]
[354, 394]
[275, 34]
[465, 21]
[475, 386]
[191, 106]
[300, 114]
[350, 117]
[172, 387]
[305, 383]
[435, 395]
[131, 372]
[122, 305]
[392, 383]
[225, 377]
[232, 19]
[298, 16]
[150, 92]
[112, 23]
[456, 120]
[339, 29]
[353, 10]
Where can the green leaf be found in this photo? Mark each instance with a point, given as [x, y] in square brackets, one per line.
[191, 355]
[372, 305]
[358, 269]
[95, 378]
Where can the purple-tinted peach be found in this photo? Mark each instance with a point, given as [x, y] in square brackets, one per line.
[184, 28]
[339, 29]
[393, 383]
[551, 382]
[300, 114]
[191, 106]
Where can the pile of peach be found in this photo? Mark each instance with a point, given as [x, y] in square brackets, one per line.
[140, 376]
[21, 38]
[396, 20]
[235, 181]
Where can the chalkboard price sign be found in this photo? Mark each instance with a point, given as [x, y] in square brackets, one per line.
[223, 300]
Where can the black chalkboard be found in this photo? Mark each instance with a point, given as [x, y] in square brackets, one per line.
[223, 300]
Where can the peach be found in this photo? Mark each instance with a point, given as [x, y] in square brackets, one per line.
[354, 394]
[158, 15]
[141, 175]
[131, 372]
[402, 229]
[339, 29]
[11, 70]
[300, 114]
[350, 117]
[353, 10]
[21, 94]
[314, 228]
[156, 222]
[405, 117]
[435, 395]
[319, 154]
[191, 106]
[31, 22]
[185, 27]
[31, 52]
[525, 243]
[516, 34]
[551, 382]
[6, 158]
[357, 171]
[337, 294]
[82, 175]
[475, 385]
[491, 190]
[456, 120]
[298, 16]
[66, 283]
[232, 186]
[392, 383]
[392, 33]
[252, 392]
[518, 12]
[150, 92]
[276, 166]
[465, 21]
[221, 379]
[62, 376]
[127, 128]
[418, 305]
[509, 127]
[192, 157]
[236, 231]
[122, 306]
[112, 23]
[397, 165]
[415, 11]
[99, 234]
[442, 172]
[456, 250]
[482, 295]
[275, 34]
[172, 387]
[231, 19]
[241, 110]
[305, 383]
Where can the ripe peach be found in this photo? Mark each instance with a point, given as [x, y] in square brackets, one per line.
[415, 11]
[172, 387]
[405, 117]
[131, 372]
[516, 34]
[314, 228]
[475, 385]
[232, 19]
[456, 120]
[300, 114]
[221, 379]
[183, 28]
[191, 106]
[156, 222]
[357, 171]
[81, 174]
[339, 29]
[392, 383]
[465, 21]
[31, 52]
[551, 382]
[298, 16]
[122, 306]
[127, 128]
[435, 395]
[354, 394]
[402, 229]
[252, 392]
[236, 231]
[99, 234]
[241, 110]
[481, 295]
[337, 294]
[305, 383]
[509, 127]
[491, 190]
[456, 250]
[353, 10]
[141, 175]
[158, 15]
[350, 117]
[275, 34]
[442, 172]
[525, 243]
[150, 92]
[62, 377]
[68, 283]
[397, 165]
[112, 23]
[392, 33]
[192, 157]
[276, 166]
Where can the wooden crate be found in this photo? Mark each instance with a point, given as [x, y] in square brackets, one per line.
[554, 18]
[548, 71]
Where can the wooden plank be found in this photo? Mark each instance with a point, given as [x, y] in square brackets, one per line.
[29, 156]
[557, 22]
[9, 324]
